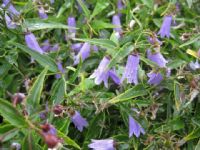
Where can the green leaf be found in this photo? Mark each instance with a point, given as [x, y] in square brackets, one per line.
[134, 92]
[177, 95]
[85, 9]
[123, 52]
[99, 24]
[29, 142]
[68, 140]
[99, 7]
[148, 3]
[11, 114]
[194, 39]
[65, 6]
[175, 63]
[33, 98]
[43, 60]
[41, 25]
[84, 85]
[58, 91]
[5, 128]
[193, 135]
[172, 125]
[104, 43]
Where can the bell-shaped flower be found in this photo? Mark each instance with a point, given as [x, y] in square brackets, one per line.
[32, 42]
[106, 144]
[154, 78]
[78, 120]
[83, 53]
[165, 28]
[157, 57]
[131, 69]
[135, 128]
[102, 73]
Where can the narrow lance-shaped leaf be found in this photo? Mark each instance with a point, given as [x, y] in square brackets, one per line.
[43, 60]
[84, 7]
[194, 39]
[41, 25]
[11, 114]
[59, 91]
[33, 98]
[134, 92]
[68, 140]
[99, 7]
[104, 43]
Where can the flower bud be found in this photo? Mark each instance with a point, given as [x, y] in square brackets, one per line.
[18, 98]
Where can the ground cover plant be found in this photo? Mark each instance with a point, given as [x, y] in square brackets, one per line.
[102, 75]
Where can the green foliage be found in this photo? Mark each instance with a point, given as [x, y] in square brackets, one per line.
[168, 112]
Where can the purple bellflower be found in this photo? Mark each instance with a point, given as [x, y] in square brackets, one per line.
[32, 43]
[116, 21]
[154, 78]
[41, 13]
[60, 68]
[46, 46]
[194, 65]
[9, 23]
[76, 47]
[120, 6]
[131, 69]
[83, 53]
[134, 128]
[12, 13]
[79, 121]
[72, 25]
[102, 73]
[165, 28]
[157, 58]
[106, 144]
[11, 8]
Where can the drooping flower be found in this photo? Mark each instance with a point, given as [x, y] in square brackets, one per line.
[41, 12]
[83, 53]
[60, 68]
[9, 23]
[120, 6]
[78, 120]
[154, 78]
[72, 25]
[32, 42]
[12, 10]
[106, 144]
[165, 28]
[46, 46]
[135, 128]
[157, 57]
[131, 69]
[118, 29]
[76, 47]
[9, 18]
[101, 74]
[194, 65]
[113, 75]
